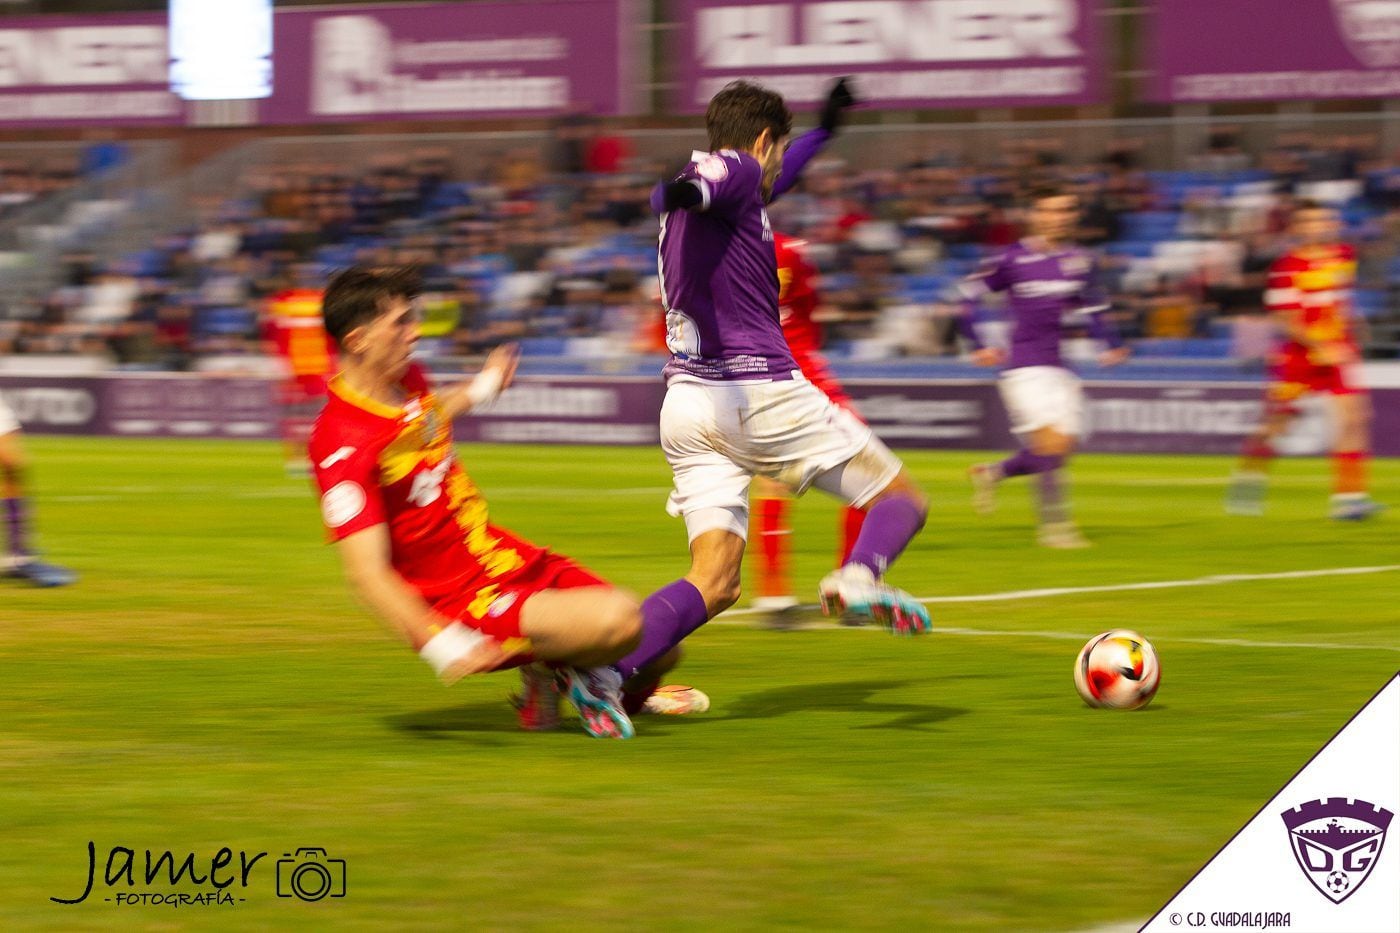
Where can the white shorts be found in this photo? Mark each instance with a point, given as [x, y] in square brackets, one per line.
[8, 422]
[1043, 397]
[717, 436]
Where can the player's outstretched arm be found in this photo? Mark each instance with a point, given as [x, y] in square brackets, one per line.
[482, 389]
[451, 648]
[804, 149]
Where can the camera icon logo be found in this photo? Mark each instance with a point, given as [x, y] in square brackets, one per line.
[310, 875]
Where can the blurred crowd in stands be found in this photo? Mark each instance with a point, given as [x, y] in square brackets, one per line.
[555, 247]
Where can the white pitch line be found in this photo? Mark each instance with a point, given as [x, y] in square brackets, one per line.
[747, 616]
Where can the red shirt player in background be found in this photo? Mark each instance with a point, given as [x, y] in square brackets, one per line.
[293, 330]
[1310, 297]
[418, 547]
[797, 304]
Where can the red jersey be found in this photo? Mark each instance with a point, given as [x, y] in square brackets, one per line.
[295, 329]
[797, 300]
[1314, 283]
[376, 464]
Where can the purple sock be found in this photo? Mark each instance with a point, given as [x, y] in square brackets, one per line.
[668, 616]
[889, 526]
[16, 527]
[1023, 463]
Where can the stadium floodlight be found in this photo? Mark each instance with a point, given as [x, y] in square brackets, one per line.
[221, 50]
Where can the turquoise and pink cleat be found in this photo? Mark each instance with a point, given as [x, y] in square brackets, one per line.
[854, 589]
[596, 692]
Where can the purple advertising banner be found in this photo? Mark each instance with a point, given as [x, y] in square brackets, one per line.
[336, 64]
[86, 70]
[452, 60]
[904, 53]
[1120, 417]
[1204, 50]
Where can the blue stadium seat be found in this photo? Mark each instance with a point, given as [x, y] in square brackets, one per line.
[211, 321]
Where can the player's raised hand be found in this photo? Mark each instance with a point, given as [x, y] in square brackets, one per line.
[503, 360]
[988, 356]
[1114, 356]
[839, 99]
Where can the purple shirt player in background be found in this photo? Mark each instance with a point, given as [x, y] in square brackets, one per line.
[1050, 286]
[736, 403]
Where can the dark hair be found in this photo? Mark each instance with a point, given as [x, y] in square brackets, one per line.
[1045, 191]
[743, 110]
[1308, 204]
[358, 295]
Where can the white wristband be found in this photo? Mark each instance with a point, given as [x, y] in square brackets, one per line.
[484, 388]
[449, 646]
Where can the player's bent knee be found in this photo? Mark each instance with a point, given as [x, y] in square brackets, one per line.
[621, 623]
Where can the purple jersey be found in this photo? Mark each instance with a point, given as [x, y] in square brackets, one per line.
[719, 276]
[1046, 292]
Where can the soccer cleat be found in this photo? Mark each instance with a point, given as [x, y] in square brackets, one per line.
[41, 574]
[1356, 509]
[537, 703]
[854, 589]
[1245, 496]
[596, 692]
[1062, 536]
[676, 700]
[984, 478]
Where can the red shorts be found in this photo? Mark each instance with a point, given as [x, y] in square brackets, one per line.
[1292, 380]
[494, 609]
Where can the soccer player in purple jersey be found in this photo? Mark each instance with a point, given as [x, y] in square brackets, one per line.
[1050, 286]
[736, 403]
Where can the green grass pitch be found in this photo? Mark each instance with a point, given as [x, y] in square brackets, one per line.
[210, 683]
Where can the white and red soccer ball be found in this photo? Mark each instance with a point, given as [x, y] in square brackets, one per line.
[1118, 670]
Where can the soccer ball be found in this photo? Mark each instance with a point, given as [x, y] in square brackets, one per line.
[1117, 669]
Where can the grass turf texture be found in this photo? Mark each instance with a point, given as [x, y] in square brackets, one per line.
[210, 683]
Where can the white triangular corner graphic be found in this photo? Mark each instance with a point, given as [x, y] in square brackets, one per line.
[1317, 856]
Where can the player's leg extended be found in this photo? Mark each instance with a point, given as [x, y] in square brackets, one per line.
[1050, 447]
[895, 512]
[1351, 499]
[770, 503]
[671, 613]
[1245, 495]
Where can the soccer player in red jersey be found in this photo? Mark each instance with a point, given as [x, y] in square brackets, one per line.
[294, 332]
[797, 302]
[1309, 295]
[413, 531]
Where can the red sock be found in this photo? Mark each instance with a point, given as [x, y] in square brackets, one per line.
[773, 535]
[1349, 470]
[851, 520]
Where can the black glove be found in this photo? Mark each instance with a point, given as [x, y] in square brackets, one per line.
[840, 99]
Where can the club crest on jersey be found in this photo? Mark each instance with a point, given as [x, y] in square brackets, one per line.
[712, 168]
[1337, 842]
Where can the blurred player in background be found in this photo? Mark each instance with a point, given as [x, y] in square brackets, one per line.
[1309, 295]
[797, 303]
[18, 559]
[295, 333]
[413, 533]
[736, 403]
[1050, 286]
